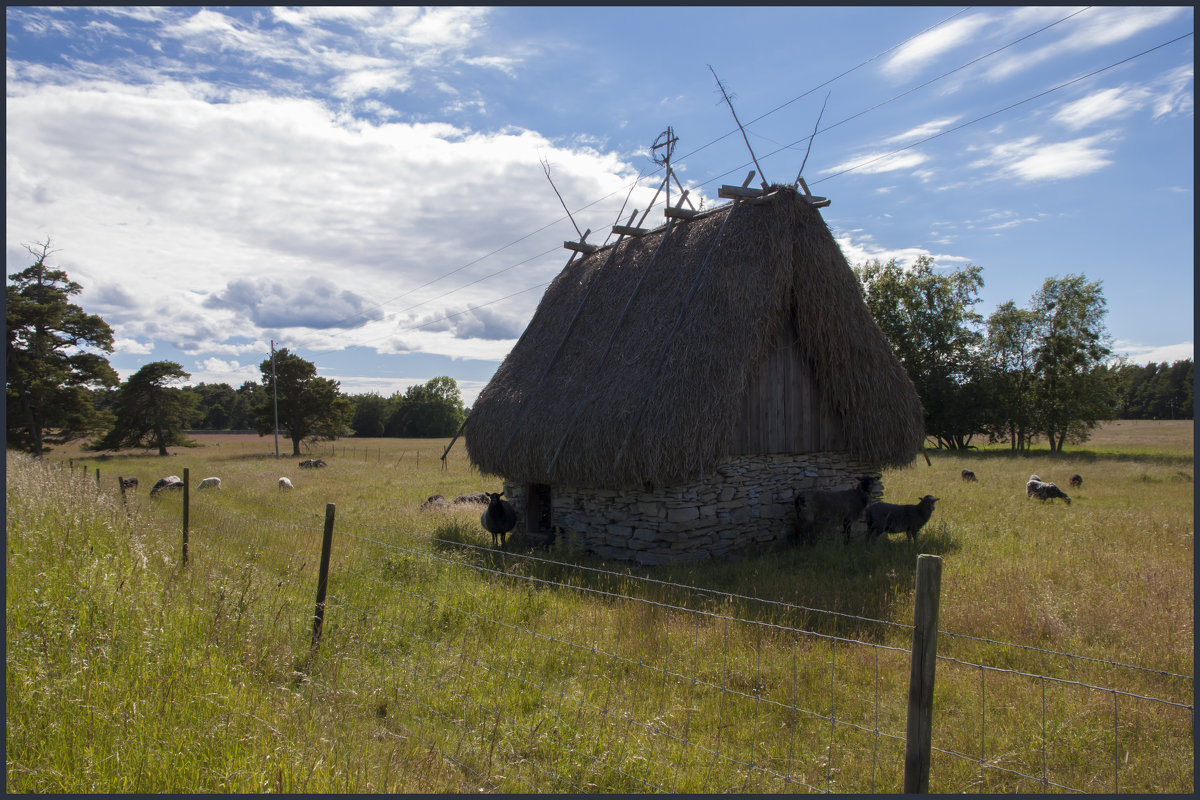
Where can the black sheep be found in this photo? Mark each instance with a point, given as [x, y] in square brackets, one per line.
[820, 509]
[500, 517]
[893, 518]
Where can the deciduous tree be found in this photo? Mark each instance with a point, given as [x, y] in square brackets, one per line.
[928, 317]
[1075, 390]
[310, 407]
[434, 409]
[1011, 338]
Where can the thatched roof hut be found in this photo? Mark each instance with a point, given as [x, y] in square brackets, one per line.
[644, 362]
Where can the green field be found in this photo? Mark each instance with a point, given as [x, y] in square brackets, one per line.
[446, 666]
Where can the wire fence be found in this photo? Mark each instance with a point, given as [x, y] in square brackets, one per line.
[530, 674]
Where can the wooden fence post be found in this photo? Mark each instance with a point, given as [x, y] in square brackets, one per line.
[186, 486]
[919, 734]
[121, 484]
[97, 476]
[323, 576]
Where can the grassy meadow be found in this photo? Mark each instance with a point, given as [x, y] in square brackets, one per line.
[1066, 634]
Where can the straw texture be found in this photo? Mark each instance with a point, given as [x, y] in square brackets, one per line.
[633, 367]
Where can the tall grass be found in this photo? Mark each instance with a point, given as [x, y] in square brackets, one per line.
[446, 666]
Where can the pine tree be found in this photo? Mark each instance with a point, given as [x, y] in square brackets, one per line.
[51, 369]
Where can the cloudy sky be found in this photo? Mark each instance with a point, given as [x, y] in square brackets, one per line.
[367, 186]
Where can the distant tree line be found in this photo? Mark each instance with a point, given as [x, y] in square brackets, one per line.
[1156, 391]
[1021, 375]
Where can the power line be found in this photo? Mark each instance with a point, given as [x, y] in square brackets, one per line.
[872, 160]
[607, 196]
[934, 80]
[1002, 110]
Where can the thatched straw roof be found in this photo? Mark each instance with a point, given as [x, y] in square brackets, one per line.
[628, 374]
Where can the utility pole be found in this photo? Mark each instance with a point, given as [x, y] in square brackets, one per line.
[275, 393]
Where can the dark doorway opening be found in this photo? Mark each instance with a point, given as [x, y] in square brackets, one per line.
[537, 512]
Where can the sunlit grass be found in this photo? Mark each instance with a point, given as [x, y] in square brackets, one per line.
[447, 666]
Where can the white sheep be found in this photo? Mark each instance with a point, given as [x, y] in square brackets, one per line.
[210, 483]
[285, 483]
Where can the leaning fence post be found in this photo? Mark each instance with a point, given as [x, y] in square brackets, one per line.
[186, 484]
[323, 576]
[97, 476]
[919, 734]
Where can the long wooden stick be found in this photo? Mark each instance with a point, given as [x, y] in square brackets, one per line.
[810, 140]
[546, 169]
[729, 103]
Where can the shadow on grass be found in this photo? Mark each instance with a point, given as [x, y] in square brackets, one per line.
[830, 587]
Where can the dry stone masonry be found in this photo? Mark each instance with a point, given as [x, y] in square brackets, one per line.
[745, 504]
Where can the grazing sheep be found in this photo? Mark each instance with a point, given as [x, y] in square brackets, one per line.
[968, 476]
[465, 499]
[169, 482]
[1043, 490]
[893, 518]
[129, 483]
[499, 518]
[1076, 481]
[1033, 478]
[210, 483]
[435, 502]
[816, 510]
[312, 463]
[285, 483]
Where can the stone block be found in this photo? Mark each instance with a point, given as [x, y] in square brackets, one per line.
[686, 514]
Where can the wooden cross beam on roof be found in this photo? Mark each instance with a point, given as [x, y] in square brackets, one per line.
[581, 246]
[678, 212]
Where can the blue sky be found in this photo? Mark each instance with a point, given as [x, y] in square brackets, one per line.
[365, 186]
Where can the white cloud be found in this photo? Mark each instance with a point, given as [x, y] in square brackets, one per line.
[1145, 354]
[175, 199]
[1105, 105]
[870, 163]
[1029, 159]
[864, 249]
[919, 53]
[1175, 93]
[132, 346]
[924, 130]
[215, 370]
[1095, 28]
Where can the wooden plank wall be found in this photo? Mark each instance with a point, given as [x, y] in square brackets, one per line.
[782, 412]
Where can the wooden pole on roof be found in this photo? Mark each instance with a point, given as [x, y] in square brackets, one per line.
[799, 174]
[729, 103]
[546, 169]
